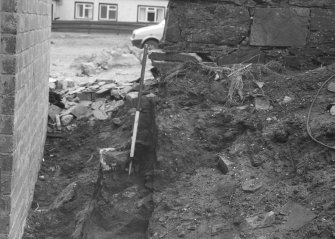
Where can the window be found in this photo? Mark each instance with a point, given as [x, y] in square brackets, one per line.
[84, 10]
[150, 14]
[108, 12]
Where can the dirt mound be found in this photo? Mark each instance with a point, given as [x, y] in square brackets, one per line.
[279, 181]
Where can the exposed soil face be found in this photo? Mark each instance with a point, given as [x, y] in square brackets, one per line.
[75, 198]
[277, 182]
[280, 182]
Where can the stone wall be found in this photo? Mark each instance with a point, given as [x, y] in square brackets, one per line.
[299, 32]
[24, 72]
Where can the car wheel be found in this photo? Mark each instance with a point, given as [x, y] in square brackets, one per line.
[152, 44]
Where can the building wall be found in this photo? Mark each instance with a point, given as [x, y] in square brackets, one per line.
[24, 72]
[127, 9]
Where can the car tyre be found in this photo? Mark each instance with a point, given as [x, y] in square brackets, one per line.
[152, 44]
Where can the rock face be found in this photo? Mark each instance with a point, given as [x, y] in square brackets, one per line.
[301, 32]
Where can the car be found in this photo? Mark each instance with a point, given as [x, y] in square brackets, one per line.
[150, 35]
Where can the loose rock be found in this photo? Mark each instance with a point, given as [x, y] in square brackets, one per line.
[332, 110]
[262, 103]
[112, 159]
[224, 164]
[81, 111]
[66, 195]
[287, 100]
[100, 115]
[53, 111]
[66, 119]
[117, 121]
[88, 69]
[331, 87]
[261, 221]
[251, 185]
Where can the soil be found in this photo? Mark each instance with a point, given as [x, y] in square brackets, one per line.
[277, 182]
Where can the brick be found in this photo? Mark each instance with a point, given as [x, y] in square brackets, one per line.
[6, 143]
[5, 205]
[8, 44]
[24, 69]
[8, 23]
[5, 183]
[9, 5]
[4, 223]
[7, 85]
[6, 105]
[6, 162]
[6, 124]
[8, 65]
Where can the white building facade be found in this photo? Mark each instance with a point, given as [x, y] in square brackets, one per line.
[135, 11]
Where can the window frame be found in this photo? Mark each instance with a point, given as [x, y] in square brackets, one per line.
[83, 18]
[107, 19]
[147, 7]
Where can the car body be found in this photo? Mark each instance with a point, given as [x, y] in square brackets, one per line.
[150, 35]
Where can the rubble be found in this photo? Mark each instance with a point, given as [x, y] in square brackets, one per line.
[95, 98]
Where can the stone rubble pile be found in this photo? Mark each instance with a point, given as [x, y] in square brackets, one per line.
[93, 100]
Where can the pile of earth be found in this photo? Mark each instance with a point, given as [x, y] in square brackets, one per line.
[222, 153]
[234, 158]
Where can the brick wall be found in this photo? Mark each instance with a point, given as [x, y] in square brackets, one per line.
[24, 72]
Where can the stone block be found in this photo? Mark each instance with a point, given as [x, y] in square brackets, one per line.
[243, 55]
[322, 27]
[320, 38]
[322, 20]
[179, 57]
[164, 66]
[313, 3]
[280, 27]
[206, 23]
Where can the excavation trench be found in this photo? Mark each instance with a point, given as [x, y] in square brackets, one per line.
[122, 205]
[76, 198]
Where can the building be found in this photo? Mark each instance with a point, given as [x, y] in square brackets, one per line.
[107, 14]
